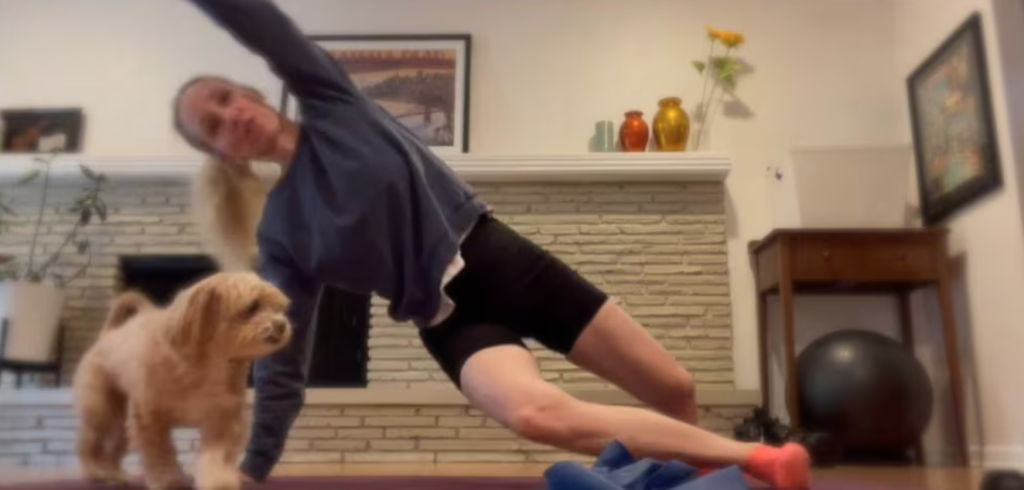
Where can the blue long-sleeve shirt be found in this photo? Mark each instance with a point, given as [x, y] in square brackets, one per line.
[365, 206]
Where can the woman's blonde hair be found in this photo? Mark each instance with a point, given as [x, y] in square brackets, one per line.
[228, 204]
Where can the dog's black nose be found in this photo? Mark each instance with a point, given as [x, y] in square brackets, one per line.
[277, 331]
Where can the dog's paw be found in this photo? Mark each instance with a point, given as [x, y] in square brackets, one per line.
[219, 478]
[114, 478]
[169, 481]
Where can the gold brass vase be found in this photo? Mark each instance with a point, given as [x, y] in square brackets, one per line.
[671, 125]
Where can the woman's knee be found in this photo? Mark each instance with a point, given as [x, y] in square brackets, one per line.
[676, 392]
[546, 417]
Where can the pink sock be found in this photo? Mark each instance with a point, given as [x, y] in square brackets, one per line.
[784, 468]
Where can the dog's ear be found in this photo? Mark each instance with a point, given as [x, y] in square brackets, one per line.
[195, 318]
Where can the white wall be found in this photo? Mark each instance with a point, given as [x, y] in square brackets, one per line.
[822, 76]
[987, 239]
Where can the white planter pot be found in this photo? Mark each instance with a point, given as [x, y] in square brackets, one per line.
[33, 314]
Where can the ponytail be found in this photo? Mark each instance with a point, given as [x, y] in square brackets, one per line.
[228, 203]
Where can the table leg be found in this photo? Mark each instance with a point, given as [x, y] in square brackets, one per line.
[762, 341]
[789, 340]
[906, 322]
[907, 332]
[953, 358]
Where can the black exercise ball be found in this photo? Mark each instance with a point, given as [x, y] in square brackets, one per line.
[864, 388]
[1002, 480]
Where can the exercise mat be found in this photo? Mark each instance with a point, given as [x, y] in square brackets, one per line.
[616, 469]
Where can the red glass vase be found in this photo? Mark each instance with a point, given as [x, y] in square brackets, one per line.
[634, 133]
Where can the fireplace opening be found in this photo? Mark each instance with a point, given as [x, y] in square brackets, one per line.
[162, 276]
[341, 320]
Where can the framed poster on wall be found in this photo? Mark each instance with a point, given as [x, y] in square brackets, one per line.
[955, 145]
[420, 79]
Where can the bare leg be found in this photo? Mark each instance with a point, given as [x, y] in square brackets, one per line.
[613, 339]
[504, 382]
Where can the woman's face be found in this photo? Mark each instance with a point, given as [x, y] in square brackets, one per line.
[230, 119]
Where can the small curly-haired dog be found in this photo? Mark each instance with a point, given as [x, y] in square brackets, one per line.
[155, 369]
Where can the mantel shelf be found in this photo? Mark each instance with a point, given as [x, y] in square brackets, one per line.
[584, 167]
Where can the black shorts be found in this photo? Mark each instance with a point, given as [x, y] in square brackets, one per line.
[510, 289]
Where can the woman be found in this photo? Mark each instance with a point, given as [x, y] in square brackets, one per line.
[363, 205]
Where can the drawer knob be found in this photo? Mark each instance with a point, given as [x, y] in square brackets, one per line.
[826, 255]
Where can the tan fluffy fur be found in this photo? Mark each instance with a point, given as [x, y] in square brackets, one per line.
[155, 369]
[228, 205]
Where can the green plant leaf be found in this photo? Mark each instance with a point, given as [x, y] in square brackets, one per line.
[89, 173]
[28, 176]
[729, 82]
[700, 66]
[731, 67]
[101, 209]
[85, 216]
[7, 209]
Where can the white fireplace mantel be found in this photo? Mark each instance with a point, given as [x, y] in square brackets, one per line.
[584, 167]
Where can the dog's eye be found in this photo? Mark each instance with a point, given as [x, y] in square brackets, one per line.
[252, 309]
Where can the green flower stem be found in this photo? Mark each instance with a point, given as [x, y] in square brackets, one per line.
[709, 116]
[39, 220]
[703, 93]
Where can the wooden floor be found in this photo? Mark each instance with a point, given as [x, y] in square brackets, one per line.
[916, 479]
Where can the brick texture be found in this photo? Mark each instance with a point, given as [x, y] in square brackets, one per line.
[44, 437]
[658, 249]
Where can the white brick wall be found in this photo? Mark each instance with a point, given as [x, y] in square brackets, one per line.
[659, 249]
[43, 436]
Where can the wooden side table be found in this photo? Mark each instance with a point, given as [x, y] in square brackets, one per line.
[820, 261]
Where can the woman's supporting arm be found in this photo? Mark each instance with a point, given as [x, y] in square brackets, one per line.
[280, 378]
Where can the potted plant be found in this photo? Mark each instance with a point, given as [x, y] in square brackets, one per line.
[32, 291]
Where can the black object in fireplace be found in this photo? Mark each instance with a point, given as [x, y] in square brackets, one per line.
[341, 320]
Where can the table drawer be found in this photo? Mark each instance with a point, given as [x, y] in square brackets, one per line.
[868, 258]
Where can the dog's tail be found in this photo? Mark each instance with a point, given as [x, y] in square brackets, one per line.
[124, 307]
